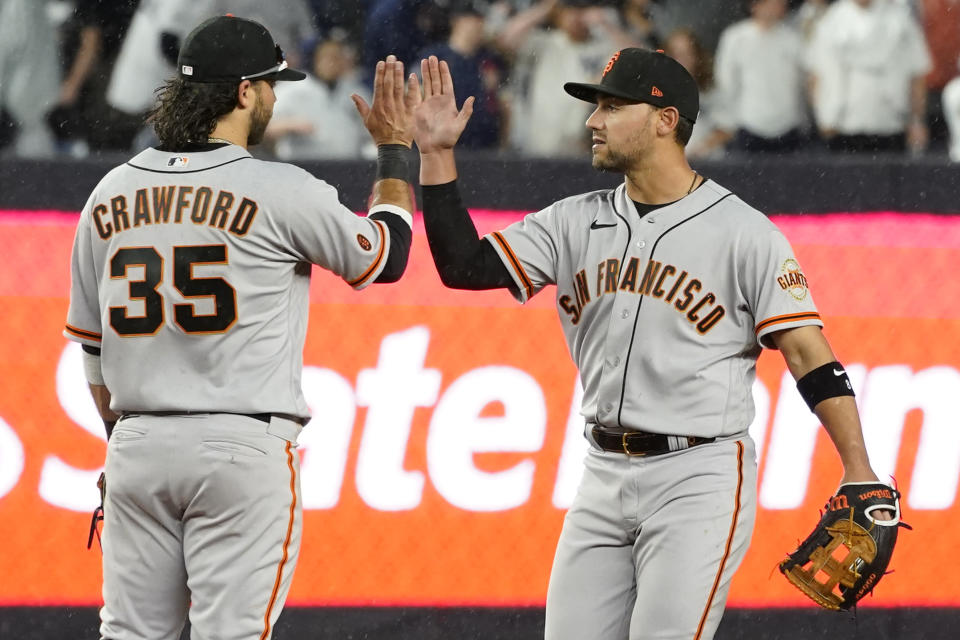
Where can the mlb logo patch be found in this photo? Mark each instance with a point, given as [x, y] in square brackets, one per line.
[187, 70]
[178, 161]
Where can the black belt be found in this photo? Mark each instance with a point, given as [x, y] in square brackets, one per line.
[638, 443]
[262, 417]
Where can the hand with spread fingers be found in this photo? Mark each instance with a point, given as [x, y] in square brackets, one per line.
[438, 121]
[389, 119]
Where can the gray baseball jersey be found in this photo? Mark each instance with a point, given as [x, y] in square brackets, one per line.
[192, 272]
[664, 315]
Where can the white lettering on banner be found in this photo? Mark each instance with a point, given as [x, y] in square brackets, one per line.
[325, 441]
[458, 431]
[792, 438]
[399, 384]
[11, 458]
[575, 446]
[890, 393]
[60, 484]
[391, 392]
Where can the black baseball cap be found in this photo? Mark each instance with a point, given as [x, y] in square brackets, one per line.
[647, 76]
[231, 49]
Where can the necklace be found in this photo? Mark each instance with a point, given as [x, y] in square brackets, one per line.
[220, 140]
[693, 182]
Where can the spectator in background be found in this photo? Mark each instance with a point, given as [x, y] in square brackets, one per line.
[941, 26]
[340, 16]
[707, 139]
[29, 74]
[706, 18]
[806, 17]
[401, 28]
[479, 72]
[639, 24]
[81, 119]
[760, 81]
[144, 59]
[316, 118]
[552, 42]
[951, 115]
[868, 62]
[149, 52]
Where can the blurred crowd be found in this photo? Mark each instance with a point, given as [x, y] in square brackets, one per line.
[776, 76]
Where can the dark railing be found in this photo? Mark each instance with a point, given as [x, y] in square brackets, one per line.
[814, 183]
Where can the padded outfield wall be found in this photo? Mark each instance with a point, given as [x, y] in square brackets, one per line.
[445, 442]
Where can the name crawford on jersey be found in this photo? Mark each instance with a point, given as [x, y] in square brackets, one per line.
[667, 282]
[177, 204]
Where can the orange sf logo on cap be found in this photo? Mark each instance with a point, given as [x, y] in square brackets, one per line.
[656, 92]
[609, 66]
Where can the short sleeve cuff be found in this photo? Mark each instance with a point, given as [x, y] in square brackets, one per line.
[524, 288]
[771, 325]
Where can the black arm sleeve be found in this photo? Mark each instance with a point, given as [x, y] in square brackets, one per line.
[400, 238]
[463, 259]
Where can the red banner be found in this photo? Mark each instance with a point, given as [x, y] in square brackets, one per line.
[446, 440]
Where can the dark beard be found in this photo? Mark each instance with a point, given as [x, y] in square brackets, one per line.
[258, 124]
[613, 162]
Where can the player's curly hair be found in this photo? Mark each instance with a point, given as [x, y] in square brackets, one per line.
[187, 112]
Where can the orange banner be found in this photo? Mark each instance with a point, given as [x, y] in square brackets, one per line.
[446, 440]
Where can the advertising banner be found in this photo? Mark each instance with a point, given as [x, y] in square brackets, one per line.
[446, 440]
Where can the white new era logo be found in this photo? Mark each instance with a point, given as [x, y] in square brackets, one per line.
[187, 70]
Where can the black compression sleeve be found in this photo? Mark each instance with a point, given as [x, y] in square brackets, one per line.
[400, 239]
[463, 259]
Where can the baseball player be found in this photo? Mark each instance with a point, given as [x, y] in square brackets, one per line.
[667, 287]
[190, 281]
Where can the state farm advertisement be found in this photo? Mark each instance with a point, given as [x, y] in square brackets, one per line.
[446, 440]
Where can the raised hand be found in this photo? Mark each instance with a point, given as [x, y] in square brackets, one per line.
[438, 122]
[390, 118]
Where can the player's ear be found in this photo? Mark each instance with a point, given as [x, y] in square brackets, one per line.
[668, 120]
[246, 95]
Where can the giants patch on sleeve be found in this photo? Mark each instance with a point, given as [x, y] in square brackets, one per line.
[792, 280]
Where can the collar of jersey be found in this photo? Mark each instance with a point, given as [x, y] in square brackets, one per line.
[188, 161]
[701, 198]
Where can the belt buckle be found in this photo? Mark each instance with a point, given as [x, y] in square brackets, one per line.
[623, 443]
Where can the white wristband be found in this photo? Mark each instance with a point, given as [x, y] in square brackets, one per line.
[405, 215]
[92, 368]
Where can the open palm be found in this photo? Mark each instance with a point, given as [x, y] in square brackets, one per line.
[390, 118]
[438, 123]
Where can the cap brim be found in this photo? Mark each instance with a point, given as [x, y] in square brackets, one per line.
[589, 92]
[290, 74]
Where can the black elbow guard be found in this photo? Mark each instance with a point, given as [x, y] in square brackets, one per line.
[827, 381]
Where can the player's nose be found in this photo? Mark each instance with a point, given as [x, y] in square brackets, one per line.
[595, 121]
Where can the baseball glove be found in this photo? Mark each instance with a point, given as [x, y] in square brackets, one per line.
[847, 554]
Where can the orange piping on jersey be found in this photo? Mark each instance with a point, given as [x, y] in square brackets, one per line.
[726, 550]
[517, 267]
[286, 543]
[80, 333]
[790, 317]
[376, 263]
